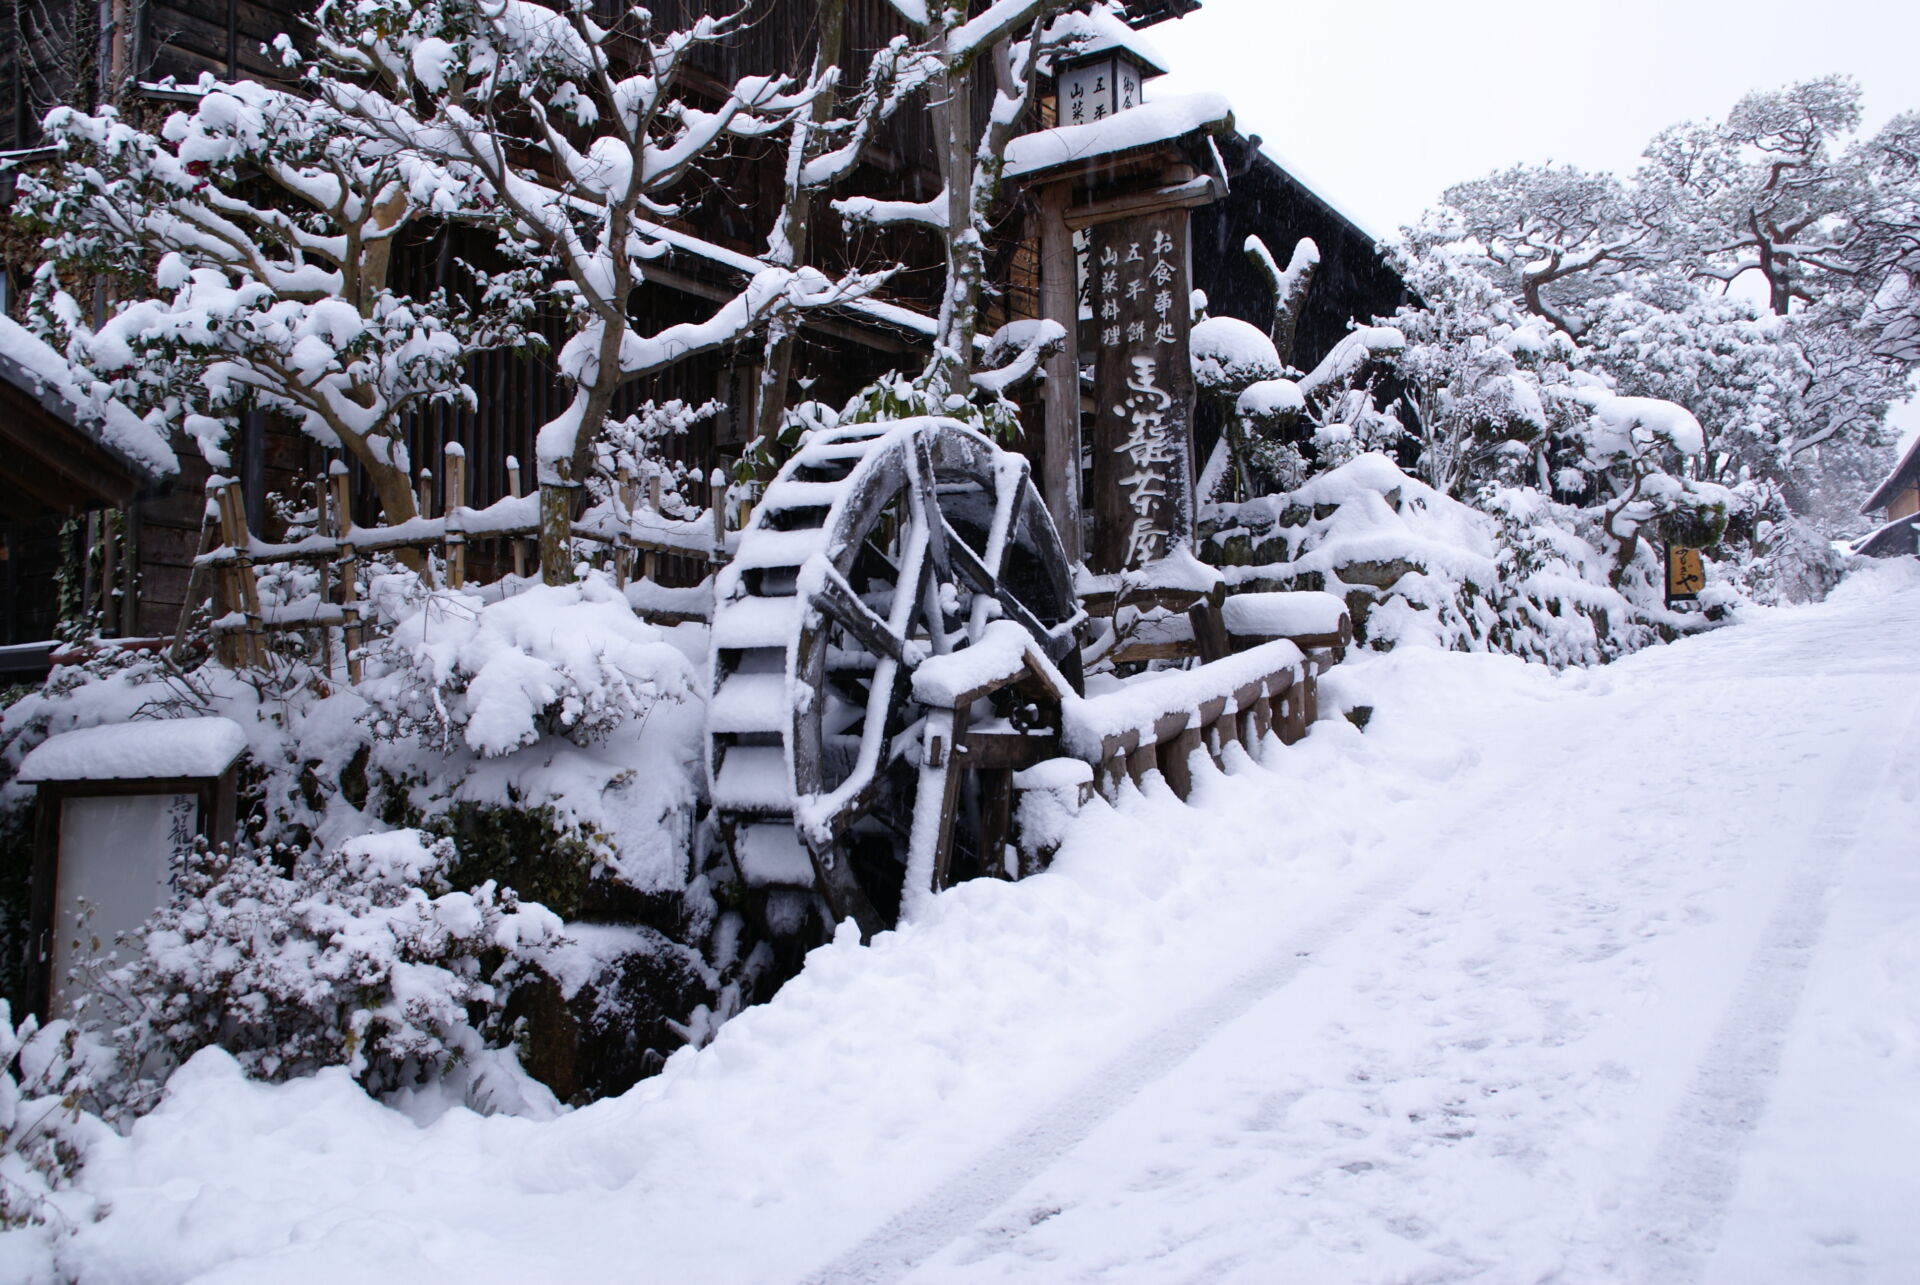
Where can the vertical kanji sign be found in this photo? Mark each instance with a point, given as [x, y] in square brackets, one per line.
[1142, 479]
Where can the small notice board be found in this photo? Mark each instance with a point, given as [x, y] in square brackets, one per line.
[115, 805]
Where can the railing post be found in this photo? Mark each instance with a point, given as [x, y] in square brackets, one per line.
[649, 570]
[245, 594]
[350, 632]
[519, 545]
[623, 547]
[456, 500]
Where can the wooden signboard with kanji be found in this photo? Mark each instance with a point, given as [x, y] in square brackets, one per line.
[1142, 478]
[1686, 574]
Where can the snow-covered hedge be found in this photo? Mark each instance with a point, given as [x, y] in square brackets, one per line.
[45, 1073]
[1520, 573]
[361, 956]
[569, 660]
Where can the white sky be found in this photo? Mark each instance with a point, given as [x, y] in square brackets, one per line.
[1383, 105]
[1380, 107]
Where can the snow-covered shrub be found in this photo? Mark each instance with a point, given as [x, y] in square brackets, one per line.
[1519, 573]
[359, 956]
[568, 660]
[1777, 557]
[47, 1073]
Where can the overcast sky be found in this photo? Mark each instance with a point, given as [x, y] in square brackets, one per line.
[1381, 106]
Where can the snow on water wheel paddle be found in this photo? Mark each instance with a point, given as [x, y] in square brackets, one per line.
[876, 546]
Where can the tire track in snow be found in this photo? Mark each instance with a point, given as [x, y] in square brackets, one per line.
[1697, 1164]
[960, 1201]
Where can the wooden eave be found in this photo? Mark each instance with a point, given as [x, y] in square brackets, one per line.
[1131, 171]
[53, 466]
[1906, 473]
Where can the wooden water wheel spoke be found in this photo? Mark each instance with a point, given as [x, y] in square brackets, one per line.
[929, 526]
[838, 600]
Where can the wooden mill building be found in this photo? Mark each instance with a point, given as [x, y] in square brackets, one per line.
[65, 51]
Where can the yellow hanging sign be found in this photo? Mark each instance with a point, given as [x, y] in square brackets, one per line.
[1686, 574]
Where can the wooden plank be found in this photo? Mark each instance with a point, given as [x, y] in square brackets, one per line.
[1142, 481]
[1013, 751]
[1190, 195]
[1176, 759]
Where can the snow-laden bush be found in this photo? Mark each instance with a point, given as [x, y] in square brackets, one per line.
[360, 956]
[568, 660]
[46, 1074]
[1519, 573]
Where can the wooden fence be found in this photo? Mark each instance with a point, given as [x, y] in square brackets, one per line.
[631, 532]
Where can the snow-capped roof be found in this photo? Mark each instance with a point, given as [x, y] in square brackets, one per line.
[1159, 121]
[32, 365]
[1102, 33]
[1906, 471]
[157, 748]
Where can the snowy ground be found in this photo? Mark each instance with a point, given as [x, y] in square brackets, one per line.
[1600, 976]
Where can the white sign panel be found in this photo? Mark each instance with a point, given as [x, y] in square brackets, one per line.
[116, 853]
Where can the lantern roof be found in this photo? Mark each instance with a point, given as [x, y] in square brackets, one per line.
[1102, 34]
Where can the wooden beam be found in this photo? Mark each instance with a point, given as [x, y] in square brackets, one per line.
[1188, 195]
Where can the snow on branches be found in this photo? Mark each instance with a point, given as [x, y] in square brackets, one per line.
[577, 137]
[250, 240]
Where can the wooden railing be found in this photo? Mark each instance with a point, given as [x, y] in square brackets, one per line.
[632, 534]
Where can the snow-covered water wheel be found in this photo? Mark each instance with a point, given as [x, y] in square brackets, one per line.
[876, 546]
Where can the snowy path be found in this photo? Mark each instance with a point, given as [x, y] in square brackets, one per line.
[1608, 976]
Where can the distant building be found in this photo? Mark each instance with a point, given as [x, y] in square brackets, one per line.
[1899, 496]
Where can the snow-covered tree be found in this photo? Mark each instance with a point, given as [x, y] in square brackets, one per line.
[1891, 238]
[1017, 37]
[1792, 392]
[1772, 189]
[579, 136]
[1554, 237]
[247, 244]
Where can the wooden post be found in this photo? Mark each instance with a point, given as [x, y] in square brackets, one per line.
[996, 820]
[1142, 759]
[648, 570]
[245, 594]
[349, 576]
[327, 529]
[109, 569]
[1176, 760]
[456, 500]
[1209, 631]
[425, 501]
[941, 773]
[209, 541]
[1060, 301]
[623, 549]
[718, 497]
[519, 545]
